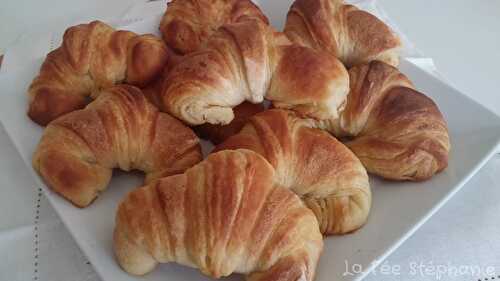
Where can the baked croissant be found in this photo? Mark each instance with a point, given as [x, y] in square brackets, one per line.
[352, 35]
[120, 129]
[247, 61]
[186, 24]
[397, 132]
[322, 171]
[92, 57]
[221, 216]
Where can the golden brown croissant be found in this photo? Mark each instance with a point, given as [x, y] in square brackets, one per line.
[321, 170]
[120, 129]
[186, 24]
[247, 61]
[353, 35]
[221, 216]
[397, 132]
[219, 133]
[92, 57]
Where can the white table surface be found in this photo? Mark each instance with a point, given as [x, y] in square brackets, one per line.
[463, 37]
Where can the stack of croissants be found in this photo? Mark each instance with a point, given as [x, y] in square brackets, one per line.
[273, 103]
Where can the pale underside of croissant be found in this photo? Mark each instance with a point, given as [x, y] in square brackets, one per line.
[120, 129]
[92, 57]
[219, 133]
[397, 132]
[249, 61]
[352, 35]
[321, 170]
[221, 216]
[187, 24]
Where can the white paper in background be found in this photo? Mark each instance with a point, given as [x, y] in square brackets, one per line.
[27, 18]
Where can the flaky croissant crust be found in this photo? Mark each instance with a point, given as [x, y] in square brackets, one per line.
[353, 35]
[249, 61]
[187, 24]
[397, 132]
[120, 129]
[221, 216]
[92, 57]
[313, 164]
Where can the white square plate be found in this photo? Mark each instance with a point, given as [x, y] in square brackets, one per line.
[398, 208]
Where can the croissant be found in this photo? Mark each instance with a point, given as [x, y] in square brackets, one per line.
[352, 35]
[186, 24]
[221, 216]
[219, 133]
[247, 61]
[397, 132]
[92, 57]
[120, 129]
[322, 171]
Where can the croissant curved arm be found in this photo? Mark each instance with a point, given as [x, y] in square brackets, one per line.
[224, 215]
[120, 129]
[354, 36]
[397, 132]
[92, 57]
[313, 164]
